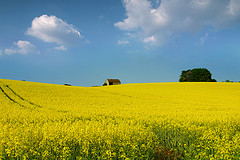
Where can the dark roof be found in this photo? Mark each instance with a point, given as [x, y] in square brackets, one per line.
[114, 80]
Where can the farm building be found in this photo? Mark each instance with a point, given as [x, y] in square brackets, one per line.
[112, 82]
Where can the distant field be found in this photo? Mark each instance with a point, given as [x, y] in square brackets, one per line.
[135, 121]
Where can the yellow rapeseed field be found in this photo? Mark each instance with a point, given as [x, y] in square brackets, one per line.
[130, 121]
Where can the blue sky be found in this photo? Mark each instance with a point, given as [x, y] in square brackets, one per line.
[84, 42]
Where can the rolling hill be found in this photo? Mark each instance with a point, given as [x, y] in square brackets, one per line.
[129, 121]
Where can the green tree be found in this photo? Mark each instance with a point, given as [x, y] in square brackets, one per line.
[196, 75]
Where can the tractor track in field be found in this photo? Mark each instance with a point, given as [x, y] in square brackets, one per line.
[11, 98]
[6, 90]
[22, 97]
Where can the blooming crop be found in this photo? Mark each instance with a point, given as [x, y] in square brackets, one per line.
[130, 121]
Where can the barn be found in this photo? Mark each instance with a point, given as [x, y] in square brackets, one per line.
[109, 82]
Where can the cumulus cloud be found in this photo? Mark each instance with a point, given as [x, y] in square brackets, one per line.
[55, 30]
[22, 47]
[61, 48]
[155, 22]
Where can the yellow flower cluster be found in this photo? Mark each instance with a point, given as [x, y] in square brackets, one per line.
[130, 121]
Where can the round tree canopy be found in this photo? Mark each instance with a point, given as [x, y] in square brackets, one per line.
[196, 75]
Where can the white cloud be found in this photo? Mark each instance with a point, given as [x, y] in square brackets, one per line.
[203, 39]
[123, 42]
[234, 8]
[53, 29]
[156, 21]
[150, 39]
[25, 47]
[61, 48]
[22, 47]
[10, 51]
